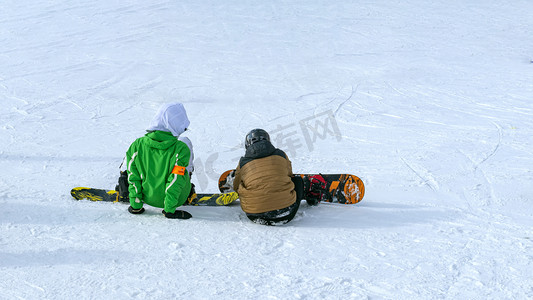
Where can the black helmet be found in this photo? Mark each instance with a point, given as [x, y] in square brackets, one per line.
[254, 136]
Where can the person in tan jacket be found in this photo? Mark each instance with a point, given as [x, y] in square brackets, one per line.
[269, 192]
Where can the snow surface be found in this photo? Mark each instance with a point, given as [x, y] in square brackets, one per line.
[429, 102]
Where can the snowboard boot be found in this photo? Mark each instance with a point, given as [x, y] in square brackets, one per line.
[315, 189]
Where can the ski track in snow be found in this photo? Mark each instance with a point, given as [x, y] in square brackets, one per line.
[431, 104]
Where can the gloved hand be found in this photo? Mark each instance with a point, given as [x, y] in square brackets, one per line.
[136, 211]
[178, 214]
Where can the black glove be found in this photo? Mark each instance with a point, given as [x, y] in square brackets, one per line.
[136, 211]
[178, 214]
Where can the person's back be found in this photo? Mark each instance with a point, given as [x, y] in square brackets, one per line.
[264, 176]
[152, 159]
[265, 182]
[159, 165]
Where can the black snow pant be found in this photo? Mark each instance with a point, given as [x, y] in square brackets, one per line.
[284, 215]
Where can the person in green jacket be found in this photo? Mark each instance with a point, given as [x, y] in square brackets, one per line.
[159, 164]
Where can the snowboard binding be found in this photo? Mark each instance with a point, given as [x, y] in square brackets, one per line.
[122, 187]
[226, 185]
[315, 189]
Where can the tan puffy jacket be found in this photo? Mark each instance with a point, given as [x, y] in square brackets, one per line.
[263, 179]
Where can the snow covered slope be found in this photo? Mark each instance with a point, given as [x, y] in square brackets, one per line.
[428, 102]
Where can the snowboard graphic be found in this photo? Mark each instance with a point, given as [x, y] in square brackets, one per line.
[341, 188]
[93, 194]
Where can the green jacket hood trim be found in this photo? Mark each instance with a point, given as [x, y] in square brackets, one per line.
[161, 139]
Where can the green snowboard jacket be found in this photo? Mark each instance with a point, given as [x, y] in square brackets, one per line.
[157, 176]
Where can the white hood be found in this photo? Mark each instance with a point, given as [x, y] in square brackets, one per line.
[171, 117]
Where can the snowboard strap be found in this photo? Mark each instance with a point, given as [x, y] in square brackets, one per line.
[317, 188]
